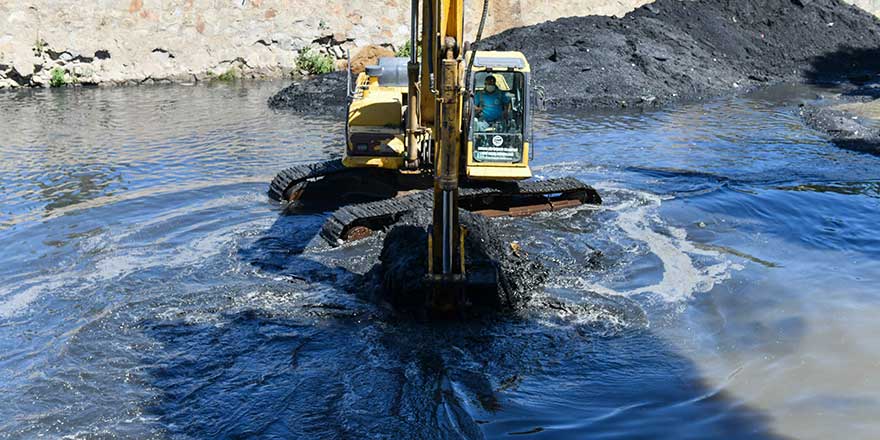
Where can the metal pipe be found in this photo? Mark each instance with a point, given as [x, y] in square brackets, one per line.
[413, 119]
[414, 31]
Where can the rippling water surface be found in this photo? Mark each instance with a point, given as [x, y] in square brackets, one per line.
[148, 288]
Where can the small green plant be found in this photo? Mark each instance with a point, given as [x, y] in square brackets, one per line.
[57, 78]
[406, 50]
[229, 75]
[322, 25]
[314, 63]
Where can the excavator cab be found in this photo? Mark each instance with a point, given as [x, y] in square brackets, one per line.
[499, 149]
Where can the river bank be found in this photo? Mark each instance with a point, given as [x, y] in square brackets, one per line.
[850, 119]
[670, 51]
[68, 42]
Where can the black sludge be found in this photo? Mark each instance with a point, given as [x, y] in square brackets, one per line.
[501, 277]
[844, 129]
[324, 93]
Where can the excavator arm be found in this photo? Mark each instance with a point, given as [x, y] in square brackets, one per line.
[442, 90]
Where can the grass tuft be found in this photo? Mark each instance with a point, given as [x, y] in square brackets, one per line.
[229, 75]
[57, 79]
[314, 63]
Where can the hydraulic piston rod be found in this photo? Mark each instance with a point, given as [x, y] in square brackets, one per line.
[446, 252]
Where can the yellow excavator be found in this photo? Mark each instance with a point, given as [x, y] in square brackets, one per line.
[424, 122]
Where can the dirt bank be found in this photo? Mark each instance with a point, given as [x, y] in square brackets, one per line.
[674, 50]
[851, 120]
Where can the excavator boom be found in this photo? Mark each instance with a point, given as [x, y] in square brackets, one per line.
[441, 110]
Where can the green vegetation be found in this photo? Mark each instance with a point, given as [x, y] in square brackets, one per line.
[229, 75]
[314, 63]
[57, 79]
[406, 50]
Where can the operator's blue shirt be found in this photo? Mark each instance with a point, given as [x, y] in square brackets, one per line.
[493, 104]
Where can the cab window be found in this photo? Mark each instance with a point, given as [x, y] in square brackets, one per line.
[497, 125]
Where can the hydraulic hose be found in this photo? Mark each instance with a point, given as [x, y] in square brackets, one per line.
[476, 43]
[467, 80]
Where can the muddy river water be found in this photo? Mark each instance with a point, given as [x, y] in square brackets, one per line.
[149, 289]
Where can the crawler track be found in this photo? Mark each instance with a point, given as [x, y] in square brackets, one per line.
[286, 183]
[520, 198]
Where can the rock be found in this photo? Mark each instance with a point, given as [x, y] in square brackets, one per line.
[336, 52]
[369, 56]
[8, 83]
[24, 67]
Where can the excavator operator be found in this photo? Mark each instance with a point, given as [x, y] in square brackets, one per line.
[491, 104]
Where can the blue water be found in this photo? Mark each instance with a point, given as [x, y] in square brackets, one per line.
[148, 288]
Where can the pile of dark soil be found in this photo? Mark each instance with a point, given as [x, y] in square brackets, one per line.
[324, 94]
[686, 50]
[671, 50]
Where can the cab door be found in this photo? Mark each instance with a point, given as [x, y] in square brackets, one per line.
[498, 146]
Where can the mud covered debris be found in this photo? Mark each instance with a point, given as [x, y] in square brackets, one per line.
[667, 51]
[324, 94]
[852, 125]
[515, 276]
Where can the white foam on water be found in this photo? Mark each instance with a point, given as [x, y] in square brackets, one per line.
[639, 219]
[12, 303]
[117, 261]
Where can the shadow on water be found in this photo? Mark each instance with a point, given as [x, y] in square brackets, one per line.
[327, 365]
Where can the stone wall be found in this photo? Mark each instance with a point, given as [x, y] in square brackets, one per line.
[133, 41]
[138, 41]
